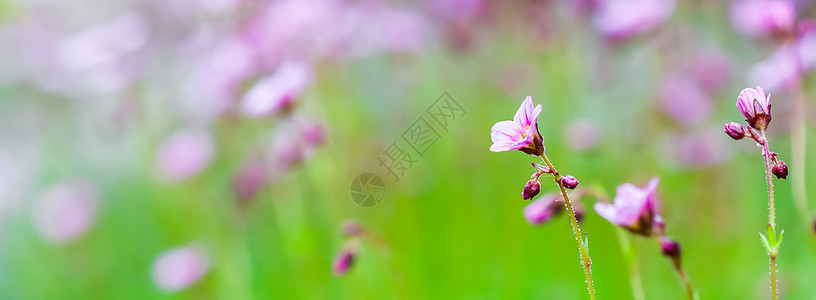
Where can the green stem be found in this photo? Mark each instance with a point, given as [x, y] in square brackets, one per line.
[586, 261]
[798, 139]
[630, 252]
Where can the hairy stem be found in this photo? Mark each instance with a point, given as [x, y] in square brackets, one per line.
[766, 152]
[586, 261]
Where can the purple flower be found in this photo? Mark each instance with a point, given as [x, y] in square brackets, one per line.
[185, 153]
[634, 208]
[343, 261]
[178, 268]
[544, 208]
[66, 211]
[755, 106]
[278, 90]
[619, 19]
[762, 17]
[521, 133]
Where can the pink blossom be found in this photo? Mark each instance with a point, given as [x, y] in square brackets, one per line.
[779, 70]
[697, 149]
[633, 209]
[620, 19]
[521, 133]
[249, 180]
[185, 153]
[762, 17]
[178, 268]
[66, 211]
[685, 100]
[544, 208]
[755, 106]
[276, 91]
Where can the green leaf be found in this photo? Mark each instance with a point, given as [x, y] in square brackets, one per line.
[771, 236]
[778, 243]
[765, 242]
[586, 242]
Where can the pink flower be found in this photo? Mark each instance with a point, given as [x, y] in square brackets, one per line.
[755, 106]
[544, 208]
[581, 135]
[274, 92]
[343, 261]
[66, 211]
[779, 70]
[249, 180]
[521, 133]
[762, 17]
[620, 19]
[685, 100]
[185, 153]
[634, 208]
[178, 268]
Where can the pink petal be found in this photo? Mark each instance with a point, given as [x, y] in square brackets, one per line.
[524, 114]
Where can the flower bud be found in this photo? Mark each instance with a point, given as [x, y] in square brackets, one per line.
[735, 130]
[531, 189]
[343, 262]
[671, 249]
[569, 182]
[780, 169]
[352, 228]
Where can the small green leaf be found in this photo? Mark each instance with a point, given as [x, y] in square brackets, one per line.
[586, 241]
[771, 236]
[778, 243]
[765, 242]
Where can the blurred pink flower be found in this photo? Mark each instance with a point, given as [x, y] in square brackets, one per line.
[634, 208]
[520, 133]
[620, 19]
[684, 99]
[460, 11]
[697, 149]
[710, 67]
[762, 17]
[185, 153]
[249, 179]
[544, 208]
[276, 91]
[779, 70]
[178, 268]
[581, 135]
[343, 261]
[65, 211]
[293, 142]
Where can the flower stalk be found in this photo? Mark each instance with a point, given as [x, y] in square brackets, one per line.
[576, 229]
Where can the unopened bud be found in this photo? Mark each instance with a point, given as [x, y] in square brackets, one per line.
[671, 249]
[735, 130]
[569, 182]
[780, 169]
[343, 262]
[531, 189]
[352, 228]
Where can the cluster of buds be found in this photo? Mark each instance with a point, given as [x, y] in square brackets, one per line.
[755, 106]
[532, 187]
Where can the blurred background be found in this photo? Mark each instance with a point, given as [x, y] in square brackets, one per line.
[208, 149]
